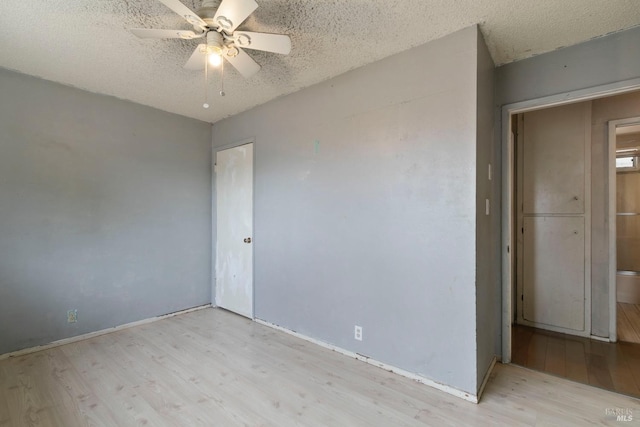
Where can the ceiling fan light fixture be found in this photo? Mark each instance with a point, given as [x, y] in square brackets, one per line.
[214, 48]
[215, 59]
[217, 21]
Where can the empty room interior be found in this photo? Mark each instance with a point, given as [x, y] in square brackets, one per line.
[319, 213]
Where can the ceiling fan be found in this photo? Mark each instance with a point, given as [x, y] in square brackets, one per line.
[216, 22]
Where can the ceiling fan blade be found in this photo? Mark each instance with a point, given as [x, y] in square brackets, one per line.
[145, 33]
[232, 13]
[278, 43]
[197, 59]
[186, 13]
[242, 62]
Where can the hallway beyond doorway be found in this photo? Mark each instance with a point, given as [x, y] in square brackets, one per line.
[628, 322]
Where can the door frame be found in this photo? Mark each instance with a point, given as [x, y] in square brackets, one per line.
[612, 212]
[214, 219]
[508, 186]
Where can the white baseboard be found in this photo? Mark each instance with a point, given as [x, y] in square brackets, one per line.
[603, 339]
[98, 333]
[431, 383]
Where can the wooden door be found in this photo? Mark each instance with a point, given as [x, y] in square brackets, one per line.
[234, 229]
[554, 267]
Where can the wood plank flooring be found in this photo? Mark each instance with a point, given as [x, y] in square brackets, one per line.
[213, 368]
[611, 366]
[628, 322]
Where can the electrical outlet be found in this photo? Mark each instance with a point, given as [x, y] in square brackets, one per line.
[358, 333]
[72, 316]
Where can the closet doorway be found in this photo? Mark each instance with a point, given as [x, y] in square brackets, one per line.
[596, 358]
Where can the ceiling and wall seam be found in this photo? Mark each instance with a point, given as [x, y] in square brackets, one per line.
[85, 44]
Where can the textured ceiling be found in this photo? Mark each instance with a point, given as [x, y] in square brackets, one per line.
[85, 43]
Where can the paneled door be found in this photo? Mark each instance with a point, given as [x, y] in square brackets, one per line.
[234, 229]
[553, 203]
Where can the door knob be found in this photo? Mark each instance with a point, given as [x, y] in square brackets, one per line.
[247, 240]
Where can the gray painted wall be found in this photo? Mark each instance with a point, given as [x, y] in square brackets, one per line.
[104, 208]
[597, 62]
[594, 63]
[365, 209]
[487, 226]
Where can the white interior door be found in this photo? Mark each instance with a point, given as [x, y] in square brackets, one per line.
[234, 229]
[554, 252]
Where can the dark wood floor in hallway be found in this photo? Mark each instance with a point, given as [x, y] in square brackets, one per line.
[611, 366]
[628, 322]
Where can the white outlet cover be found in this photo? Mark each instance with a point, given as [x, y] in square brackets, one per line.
[358, 333]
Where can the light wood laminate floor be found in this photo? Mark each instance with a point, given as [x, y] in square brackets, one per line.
[213, 368]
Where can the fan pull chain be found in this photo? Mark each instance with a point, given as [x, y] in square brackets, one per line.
[206, 79]
[222, 78]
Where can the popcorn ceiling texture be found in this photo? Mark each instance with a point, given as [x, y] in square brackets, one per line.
[85, 43]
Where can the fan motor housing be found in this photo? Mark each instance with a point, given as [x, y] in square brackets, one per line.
[208, 11]
[214, 42]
